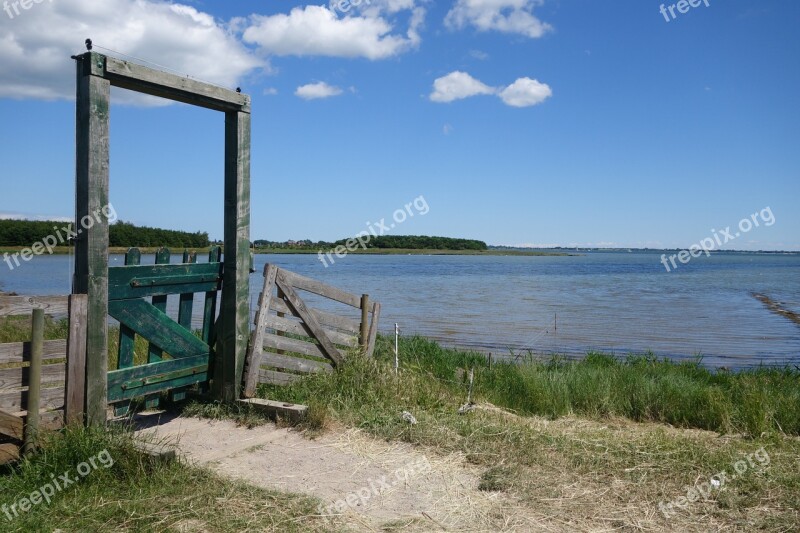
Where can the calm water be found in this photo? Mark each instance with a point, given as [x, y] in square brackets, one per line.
[612, 302]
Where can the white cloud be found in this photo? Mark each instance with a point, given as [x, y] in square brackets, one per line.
[507, 16]
[525, 92]
[270, 91]
[456, 86]
[447, 129]
[313, 91]
[317, 31]
[35, 46]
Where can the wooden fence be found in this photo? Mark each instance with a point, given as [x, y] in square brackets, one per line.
[291, 339]
[41, 381]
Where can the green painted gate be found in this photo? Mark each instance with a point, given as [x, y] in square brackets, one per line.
[176, 355]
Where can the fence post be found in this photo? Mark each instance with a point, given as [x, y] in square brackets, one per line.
[34, 382]
[364, 321]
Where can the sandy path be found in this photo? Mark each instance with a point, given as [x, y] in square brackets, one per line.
[374, 482]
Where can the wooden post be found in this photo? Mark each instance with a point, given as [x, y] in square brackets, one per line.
[91, 243]
[34, 382]
[364, 334]
[236, 274]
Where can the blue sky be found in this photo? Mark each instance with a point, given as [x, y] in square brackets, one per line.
[520, 122]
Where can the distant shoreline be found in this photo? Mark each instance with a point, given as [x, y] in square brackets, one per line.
[492, 251]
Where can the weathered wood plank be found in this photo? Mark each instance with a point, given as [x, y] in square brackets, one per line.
[19, 352]
[137, 381]
[330, 320]
[373, 328]
[18, 400]
[299, 308]
[293, 326]
[11, 425]
[364, 331]
[255, 349]
[157, 327]
[276, 342]
[23, 305]
[274, 377]
[322, 289]
[287, 411]
[179, 88]
[16, 378]
[74, 400]
[297, 364]
[9, 453]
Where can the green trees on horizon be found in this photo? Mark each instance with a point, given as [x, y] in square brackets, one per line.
[121, 234]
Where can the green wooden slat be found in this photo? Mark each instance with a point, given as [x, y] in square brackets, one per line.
[127, 337]
[187, 298]
[118, 378]
[154, 325]
[171, 279]
[154, 351]
[184, 319]
[210, 307]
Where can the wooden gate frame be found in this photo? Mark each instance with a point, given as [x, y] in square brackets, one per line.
[96, 73]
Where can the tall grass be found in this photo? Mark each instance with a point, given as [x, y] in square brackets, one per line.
[642, 388]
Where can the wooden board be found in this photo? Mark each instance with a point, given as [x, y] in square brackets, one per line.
[11, 425]
[254, 351]
[19, 352]
[290, 411]
[317, 287]
[154, 325]
[277, 342]
[16, 401]
[15, 378]
[293, 326]
[326, 319]
[8, 453]
[274, 377]
[297, 364]
[76, 360]
[179, 88]
[373, 329]
[23, 305]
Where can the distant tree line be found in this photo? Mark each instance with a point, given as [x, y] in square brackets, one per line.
[125, 234]
[27, 232]
[121, 234]
[407, 242]
[420, 242]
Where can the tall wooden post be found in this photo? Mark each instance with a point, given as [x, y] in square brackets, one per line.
[91, 243]
[235, 308]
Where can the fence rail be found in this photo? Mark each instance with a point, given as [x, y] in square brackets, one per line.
[291, 339]
[41, 381]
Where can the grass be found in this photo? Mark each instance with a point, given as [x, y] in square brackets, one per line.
[136, 495]
[642, 389]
